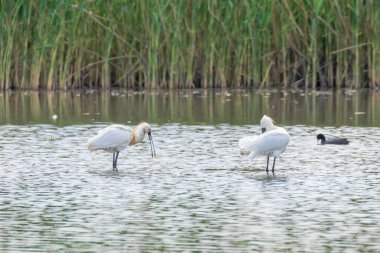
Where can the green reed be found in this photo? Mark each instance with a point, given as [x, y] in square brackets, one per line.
[65, 44]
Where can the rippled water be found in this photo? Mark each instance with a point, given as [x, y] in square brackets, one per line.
[199, 194]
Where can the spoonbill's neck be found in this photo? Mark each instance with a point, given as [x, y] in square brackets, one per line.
[271, 127]
[267, 123]
[138, 135]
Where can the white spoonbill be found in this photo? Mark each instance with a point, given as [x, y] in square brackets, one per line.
[115, 138]
[272, 142]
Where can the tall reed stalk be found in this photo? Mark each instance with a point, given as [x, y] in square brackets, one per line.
[311, 44]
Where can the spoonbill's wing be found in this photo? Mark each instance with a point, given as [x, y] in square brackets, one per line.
[246, 143]
[265, 143]
[273, 140]
[111, 137]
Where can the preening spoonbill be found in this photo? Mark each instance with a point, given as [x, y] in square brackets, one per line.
[272, 142]
[336, 141]
[266, 124]
[115, 138]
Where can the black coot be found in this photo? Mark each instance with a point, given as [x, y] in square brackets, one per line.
[336, 141]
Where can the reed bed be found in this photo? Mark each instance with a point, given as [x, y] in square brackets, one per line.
[310, 44]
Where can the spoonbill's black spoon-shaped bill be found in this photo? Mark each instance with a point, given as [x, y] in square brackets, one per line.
[115, 138]
[335, 141]
[272, 142]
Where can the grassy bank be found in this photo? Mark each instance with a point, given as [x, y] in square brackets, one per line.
[184, 44]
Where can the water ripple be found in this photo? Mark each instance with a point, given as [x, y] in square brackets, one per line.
[199, 194]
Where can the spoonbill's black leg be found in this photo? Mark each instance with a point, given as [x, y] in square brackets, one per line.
[267, 164]
[115, 161]
[274, 161]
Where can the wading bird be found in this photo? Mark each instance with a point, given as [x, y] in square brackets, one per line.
[115, 138]
[336, 141]
[272, 142]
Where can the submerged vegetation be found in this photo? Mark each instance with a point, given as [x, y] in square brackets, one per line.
[65, 44]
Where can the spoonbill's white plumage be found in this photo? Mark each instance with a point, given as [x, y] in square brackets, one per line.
[271, 143]
[115, 138]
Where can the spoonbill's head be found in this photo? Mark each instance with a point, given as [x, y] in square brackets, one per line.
[147, 129]
[321, 137]
[266, 123]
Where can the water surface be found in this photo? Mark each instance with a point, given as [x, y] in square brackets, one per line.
[238, 107]
[199, 194]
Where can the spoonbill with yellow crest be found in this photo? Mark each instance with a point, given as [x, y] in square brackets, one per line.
[115, 138]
